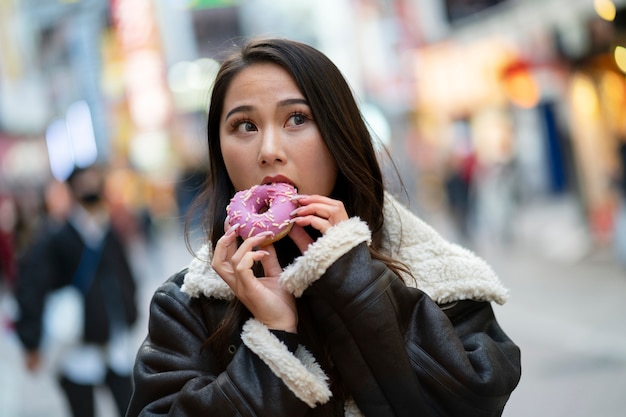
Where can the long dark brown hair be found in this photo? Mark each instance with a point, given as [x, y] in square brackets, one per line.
[359, 182]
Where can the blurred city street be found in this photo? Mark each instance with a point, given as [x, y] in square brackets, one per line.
[568, 318]
[566, 313]
[506, 121]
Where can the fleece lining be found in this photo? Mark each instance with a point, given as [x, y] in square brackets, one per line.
[299, 371]
[445, 271]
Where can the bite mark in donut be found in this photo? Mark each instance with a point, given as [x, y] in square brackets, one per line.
[262, 208]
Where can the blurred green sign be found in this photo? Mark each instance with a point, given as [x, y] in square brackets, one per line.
[208, 4]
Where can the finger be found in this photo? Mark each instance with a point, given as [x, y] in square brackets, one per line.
[314, 221]
[244, 283]
[270, 263]
[225, 248]
[230, 261]
[305, 200]
[320, 210]
[255, 241]
[230, 257]
[332, 210]
[244, 266]
[300, 237]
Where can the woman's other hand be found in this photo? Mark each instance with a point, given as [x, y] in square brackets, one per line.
[316, 211]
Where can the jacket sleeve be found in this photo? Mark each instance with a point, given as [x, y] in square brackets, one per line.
[176, 375]
[37, 276]
[120, 264]
[401, 354]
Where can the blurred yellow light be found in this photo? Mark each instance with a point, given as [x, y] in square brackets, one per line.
[612, 87]
[605, 9]
[613, 98]
[584, 97]
[620, 58]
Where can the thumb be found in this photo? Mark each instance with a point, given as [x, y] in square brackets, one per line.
[270, 263]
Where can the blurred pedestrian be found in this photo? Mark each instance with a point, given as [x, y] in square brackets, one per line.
[8, 222]
[363, 310]
[8, 268]
[458, 183]
[619, 229]
[83, 252]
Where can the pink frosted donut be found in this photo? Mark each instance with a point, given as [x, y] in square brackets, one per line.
[263, 208]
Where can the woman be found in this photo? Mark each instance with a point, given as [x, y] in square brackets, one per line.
[362, 310]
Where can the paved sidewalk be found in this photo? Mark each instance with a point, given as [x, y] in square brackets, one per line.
[570, 322]
[567, 313]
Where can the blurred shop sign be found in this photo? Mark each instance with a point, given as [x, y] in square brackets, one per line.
[11, 66]
[202, 4]
[209, 4]
[23, 161]
[23, 106]
[148, 99]
[144, 69]
[456, 78]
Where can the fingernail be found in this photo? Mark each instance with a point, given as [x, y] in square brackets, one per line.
[232, 228]
[298, 196]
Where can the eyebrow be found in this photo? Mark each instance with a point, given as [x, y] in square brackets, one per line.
[282, 103]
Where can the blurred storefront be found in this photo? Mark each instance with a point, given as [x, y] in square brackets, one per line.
[523, 99]
[597, 99]
[535, 92]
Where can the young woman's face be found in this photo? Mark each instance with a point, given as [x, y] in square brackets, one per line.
[267, 133]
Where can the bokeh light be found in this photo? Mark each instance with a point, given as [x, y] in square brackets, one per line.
[620, 57]
[605, 9]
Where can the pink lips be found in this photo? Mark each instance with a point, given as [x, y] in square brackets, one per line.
[277, 178]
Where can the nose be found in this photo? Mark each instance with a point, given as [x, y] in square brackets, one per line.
[271, 151]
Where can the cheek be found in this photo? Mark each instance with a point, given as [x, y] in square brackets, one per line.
[235, 162]
[330, 177]
[322, 172]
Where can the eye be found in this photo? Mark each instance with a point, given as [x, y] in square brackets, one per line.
[243, 126]
[297, 119]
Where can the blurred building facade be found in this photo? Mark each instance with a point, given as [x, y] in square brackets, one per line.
[505, 100]
[537, 91]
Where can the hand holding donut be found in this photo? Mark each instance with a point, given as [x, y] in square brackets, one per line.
[276, 207]
[261, 215]
[268, 302]
[317, 211]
